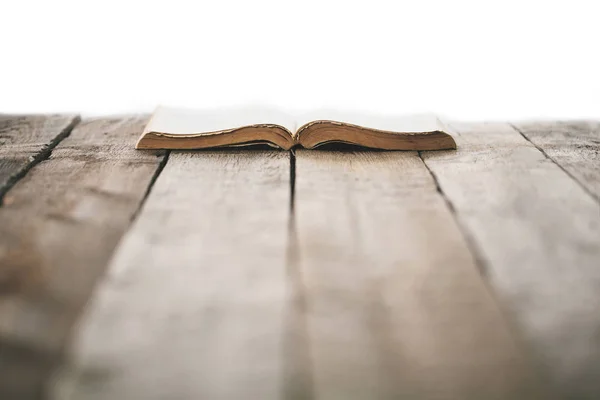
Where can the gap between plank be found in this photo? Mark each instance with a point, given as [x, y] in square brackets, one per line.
[481, 265]
[157, 172]
[42, 155]
[581, 185]
[292, 180]
[479, 261]
[299, 380]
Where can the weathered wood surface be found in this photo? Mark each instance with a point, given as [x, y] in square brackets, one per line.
[537, 233]
[575, 146]
[26, 140]
[369, 289]
[58, 227]
[394, 304]
[194, 305]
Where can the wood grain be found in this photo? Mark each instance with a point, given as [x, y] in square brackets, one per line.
[574, 145]
[395, 306]
[58, 228]
[195, 300]
[537, 233]
[25, 140]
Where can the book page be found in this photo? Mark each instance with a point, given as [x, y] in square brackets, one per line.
[391, 123]
[188, 121]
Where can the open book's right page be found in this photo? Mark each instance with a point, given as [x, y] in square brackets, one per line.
[404, 132]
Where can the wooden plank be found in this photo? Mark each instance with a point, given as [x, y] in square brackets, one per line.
[58, 228]
[538, 233]
[193, 306]
[573, 145]
[395, 306]
[25, 140]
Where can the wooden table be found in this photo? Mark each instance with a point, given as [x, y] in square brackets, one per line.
[263, 274]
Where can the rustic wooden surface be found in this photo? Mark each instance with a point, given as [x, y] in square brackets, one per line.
[58, 227]
[395, 300]
[26, 140]
[537, 234]
[574, 146]
[324, 275]
[207, 303]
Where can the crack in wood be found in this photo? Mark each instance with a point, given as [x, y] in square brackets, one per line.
[475, 251]
[578, 181]
[292, 179]
[44, 153]
[299, 380]
[157, 173]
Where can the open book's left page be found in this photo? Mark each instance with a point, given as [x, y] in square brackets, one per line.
[228, 126]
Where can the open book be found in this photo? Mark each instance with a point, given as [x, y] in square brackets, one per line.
[171, 128]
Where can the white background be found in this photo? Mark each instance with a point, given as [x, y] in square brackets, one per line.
[462, 59]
